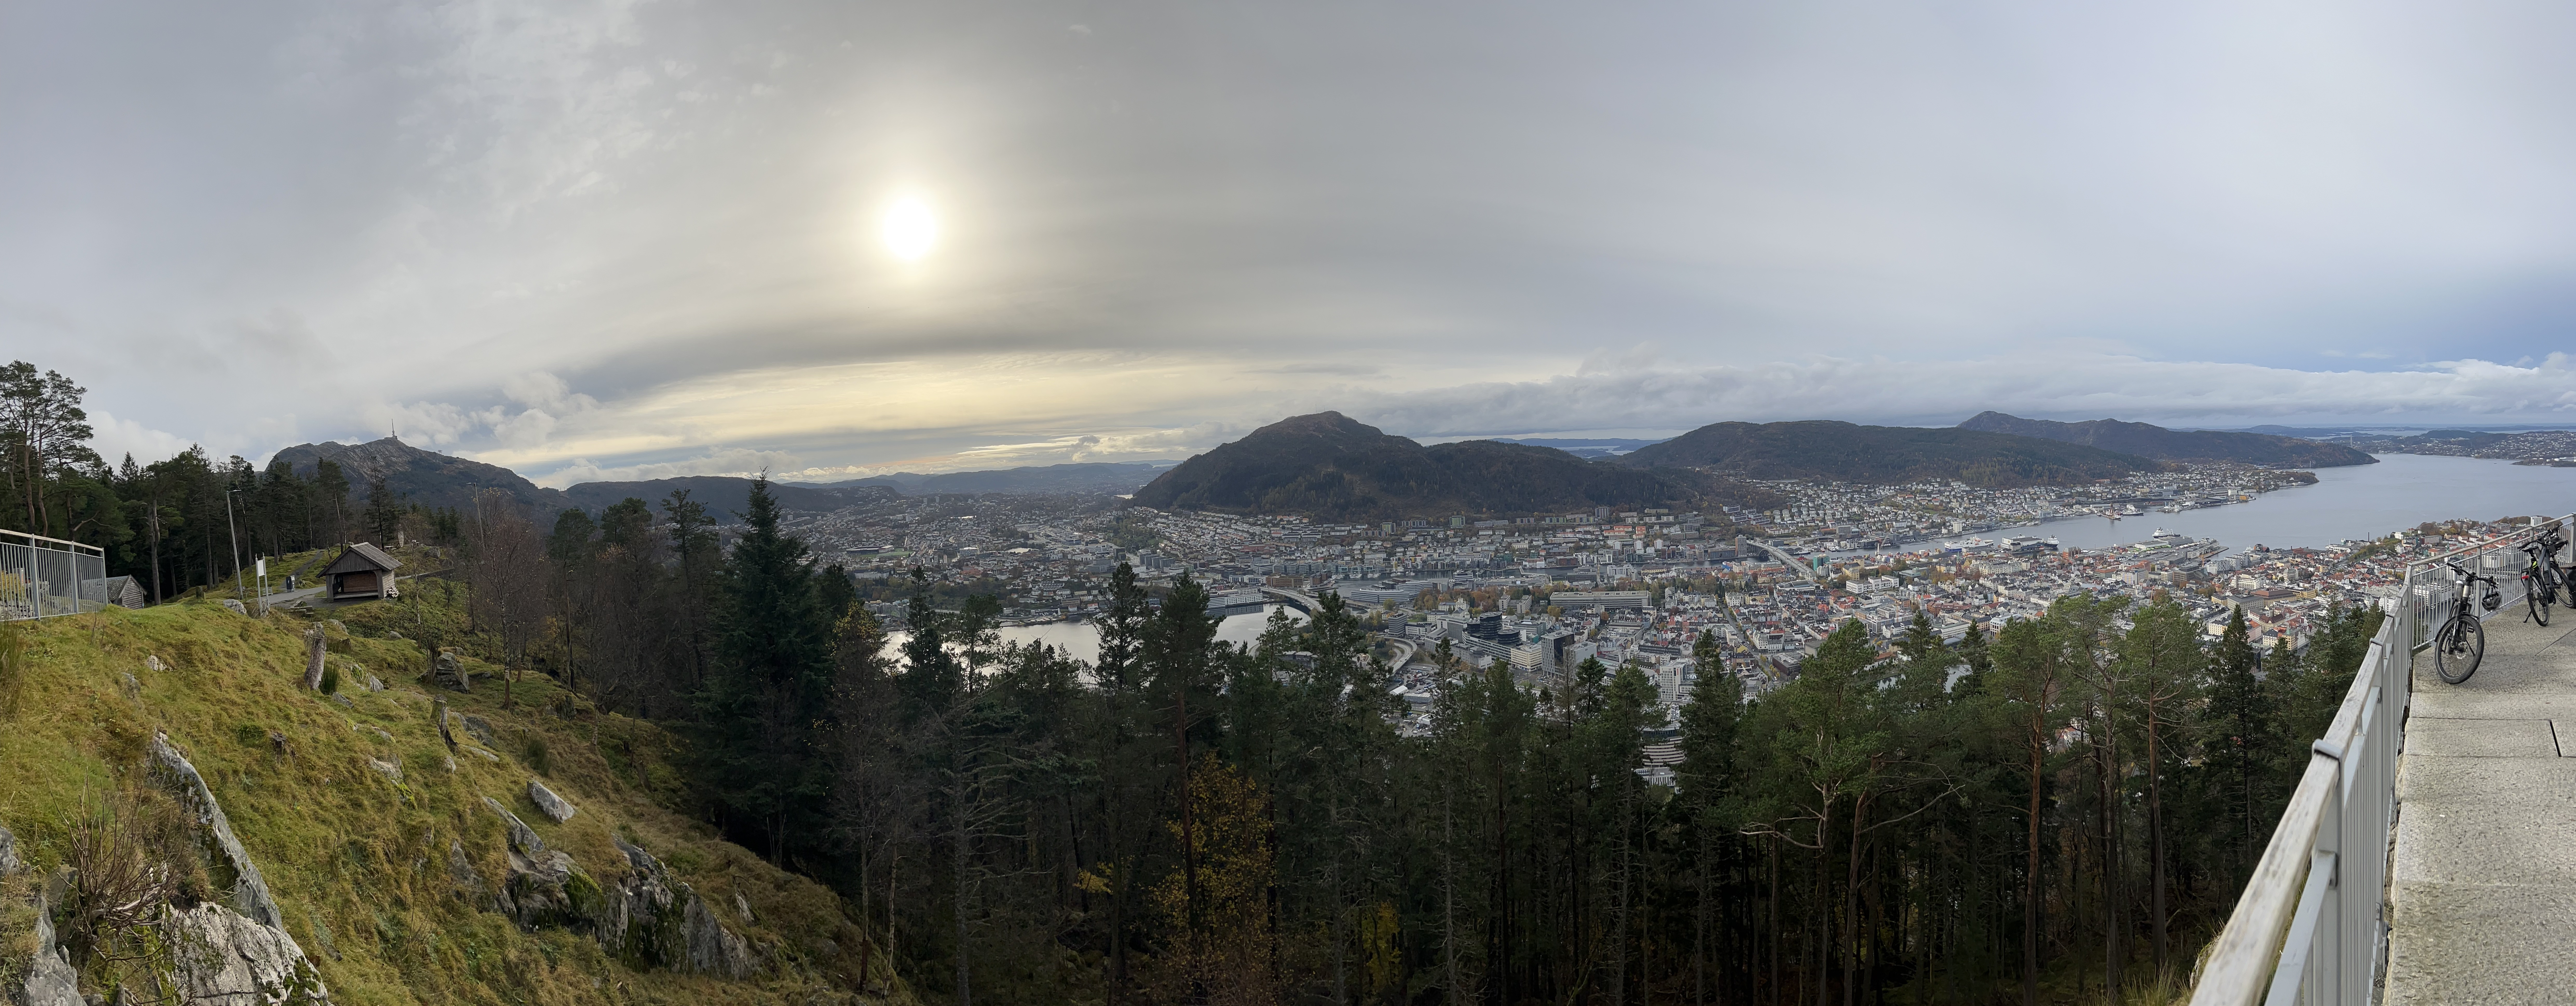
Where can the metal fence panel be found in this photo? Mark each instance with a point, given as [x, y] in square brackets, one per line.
[41, 577]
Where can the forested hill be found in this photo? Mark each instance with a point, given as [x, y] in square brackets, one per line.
[423, 478]
[1844, 452]
[1332, 467]
[2151, 441]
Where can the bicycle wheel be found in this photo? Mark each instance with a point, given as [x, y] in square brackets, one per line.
[2458, 647]
[2532, 599]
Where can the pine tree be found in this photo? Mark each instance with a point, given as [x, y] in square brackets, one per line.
[2239, 743]
[769, 696]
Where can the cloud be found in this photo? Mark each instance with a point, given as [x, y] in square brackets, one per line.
[114, 438]
[1941, 392]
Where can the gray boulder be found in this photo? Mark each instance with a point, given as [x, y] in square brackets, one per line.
[449, 672]
[235, 607]
[225, 959]
[8, 852]
[224, 852]
[480, 729]
[556, 807]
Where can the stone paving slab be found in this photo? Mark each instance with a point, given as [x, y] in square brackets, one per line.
[2483, 886]
[2480, 738]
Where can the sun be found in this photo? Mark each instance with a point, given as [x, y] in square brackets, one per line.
[909, 229]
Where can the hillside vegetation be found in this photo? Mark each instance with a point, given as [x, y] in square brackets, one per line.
[382, 860]
[2151, 441]
[1845, 452]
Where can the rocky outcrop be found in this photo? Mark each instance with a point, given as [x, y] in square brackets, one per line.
[555, 807]
[225, 858]
[449, 672]
[545, 887]
[238, 953]
[523, 839]
[461, 873]
[8, 852]
[50, 979]
[227, 960]
[714, 949]
[641, 916]
[650, 919]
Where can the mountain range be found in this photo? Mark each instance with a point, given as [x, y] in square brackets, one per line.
[432, 479]
[1846, 452]
[2150, 441]
[1113, 478]
[1332, 467]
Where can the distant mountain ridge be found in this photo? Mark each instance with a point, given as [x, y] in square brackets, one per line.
[1847, 452]
[1593, 447]
[432, 479]
[2151, 441]
[1109, 477]
[1332, 467]
[726, 497]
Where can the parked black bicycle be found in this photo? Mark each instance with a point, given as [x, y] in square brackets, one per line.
[2539, 584]
[2561, 579]
[2461, 641]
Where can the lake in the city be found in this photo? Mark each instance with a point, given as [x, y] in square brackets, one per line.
[2360, 501]
[1082, 639]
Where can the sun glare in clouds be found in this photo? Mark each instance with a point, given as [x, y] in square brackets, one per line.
[909, 229]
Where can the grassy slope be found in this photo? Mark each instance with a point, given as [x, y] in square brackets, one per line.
[358, 862]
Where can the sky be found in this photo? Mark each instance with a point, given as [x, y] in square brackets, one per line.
[617, 240]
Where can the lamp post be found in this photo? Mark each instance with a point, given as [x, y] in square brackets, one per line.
[235, 533]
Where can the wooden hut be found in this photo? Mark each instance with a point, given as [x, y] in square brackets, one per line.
[362, 571]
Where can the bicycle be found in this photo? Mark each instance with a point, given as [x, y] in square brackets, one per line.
[2539, 585]
[2561, 578]
[2462, 641]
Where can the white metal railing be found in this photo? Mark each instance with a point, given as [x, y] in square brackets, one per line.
[2311, 926]
[41, 577]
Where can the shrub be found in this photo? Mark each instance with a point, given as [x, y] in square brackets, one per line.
[120, 877]
[330, 680]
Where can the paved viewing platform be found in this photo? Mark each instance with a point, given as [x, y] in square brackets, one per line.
[2483, 890]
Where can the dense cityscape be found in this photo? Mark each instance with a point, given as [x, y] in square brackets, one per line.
[1543, 593]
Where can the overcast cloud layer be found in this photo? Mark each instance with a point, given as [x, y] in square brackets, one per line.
[629, 239]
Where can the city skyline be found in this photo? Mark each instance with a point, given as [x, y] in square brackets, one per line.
[629, 241]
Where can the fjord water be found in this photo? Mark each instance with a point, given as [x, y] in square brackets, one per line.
[2360, 501]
